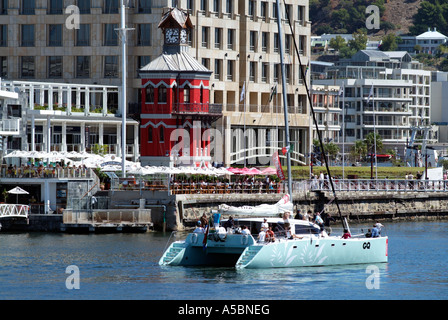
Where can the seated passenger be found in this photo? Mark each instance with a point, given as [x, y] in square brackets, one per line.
[375, 232]
[270, 236]
[346, 234]
[369, 234]
[262, 236]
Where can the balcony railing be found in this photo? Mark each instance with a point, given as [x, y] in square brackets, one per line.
[204, 108]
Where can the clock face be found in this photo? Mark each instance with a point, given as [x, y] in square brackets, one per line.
[183, 36]
[172, 35]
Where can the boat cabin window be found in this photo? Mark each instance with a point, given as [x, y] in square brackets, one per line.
[301, 229]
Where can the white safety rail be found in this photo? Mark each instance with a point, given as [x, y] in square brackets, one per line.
[14, 211]
[9, 127]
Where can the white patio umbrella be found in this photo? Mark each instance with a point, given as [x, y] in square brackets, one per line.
[17, 190]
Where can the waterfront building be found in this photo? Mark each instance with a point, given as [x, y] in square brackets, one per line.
[400, 100]
[237, 40]
[439, 104]
[327, 108]
[176, 111]
[427, 42]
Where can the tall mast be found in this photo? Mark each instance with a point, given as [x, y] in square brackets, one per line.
[123, 30]
[285, 102]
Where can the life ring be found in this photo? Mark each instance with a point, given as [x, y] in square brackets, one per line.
[244, 239]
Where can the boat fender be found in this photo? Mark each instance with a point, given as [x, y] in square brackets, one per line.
[194, 238]
[244, 239]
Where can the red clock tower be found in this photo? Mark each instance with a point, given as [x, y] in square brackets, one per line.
[176, 113]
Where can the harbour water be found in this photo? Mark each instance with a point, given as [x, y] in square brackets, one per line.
[125, 266]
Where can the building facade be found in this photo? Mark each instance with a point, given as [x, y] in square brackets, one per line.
[237, 40]
[385, 92]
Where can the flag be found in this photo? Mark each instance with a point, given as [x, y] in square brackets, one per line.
[243, 92]
[370, 95]
[341, 91]
[287, 149]
[278, 166]
[204, 242]
[307, 67]
[273, 92]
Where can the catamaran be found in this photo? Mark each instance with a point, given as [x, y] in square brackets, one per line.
[295, 243]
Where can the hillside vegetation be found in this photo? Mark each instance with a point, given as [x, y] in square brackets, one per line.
[399, 16]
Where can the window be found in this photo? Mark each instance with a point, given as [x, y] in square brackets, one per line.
[110, 6]
[264, 72]
[84, 6]
[83, 35]
[110, 34]
[252, 71]
[203, 5]
[27, 67]
[230, 39]
[287, 43]
[186, 94]
[55, 35]
[149, 134]
[149, 92]
[301, 14]
[162, 134]
[143, 61]
[55, 67]
[3, 35]
[229, 6]
[83, 67]
[144, 34]
[230, 69]
[218, 35]
[205, 31]
[28, 6]
[215, 5]
[3, 7]
[264, 41]
[274, 10]
[55, 6]
[4, 67]
[218, 64]
[111, 67]
[144, 6]
[264, 10]
[27, 35]
[276, 42]
[161, 97]
[252, 40]
[251, 9]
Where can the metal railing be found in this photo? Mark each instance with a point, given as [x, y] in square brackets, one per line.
[14, 210]
[47, 172]
[379, 185]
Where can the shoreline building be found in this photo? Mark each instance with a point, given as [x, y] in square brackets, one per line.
[237, 40]
[400, 102]
[427, 42]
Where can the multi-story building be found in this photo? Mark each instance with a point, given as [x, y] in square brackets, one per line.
[427, 42]
[237, 40]
[399, 102]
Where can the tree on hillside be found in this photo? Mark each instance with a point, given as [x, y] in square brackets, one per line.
[443, 66]
[337, 43]
[389, 43]
[431, 13]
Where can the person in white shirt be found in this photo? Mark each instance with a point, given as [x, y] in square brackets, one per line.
[245, 230]
[264, 225]
[199, 229]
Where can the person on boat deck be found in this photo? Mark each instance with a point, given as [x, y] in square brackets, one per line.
[369, 233]
[270, 236]
[286, 219]
[290, 235]
[379, 226]
[264, 225]
[346, 234]
[203, 220]
[245, 230]
[230, 223]
[375, 232]
[262, 236]
[199, 228]
[298, 215]
[327, 221]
